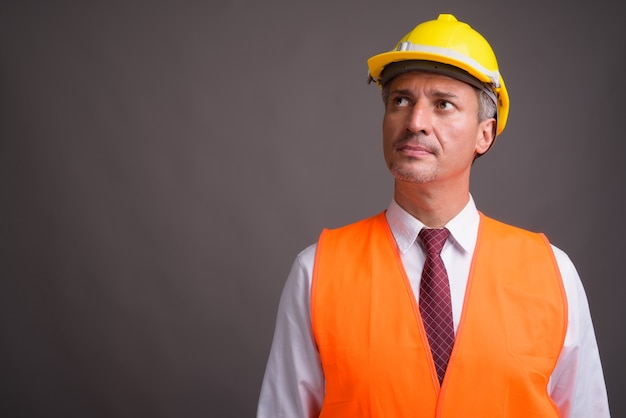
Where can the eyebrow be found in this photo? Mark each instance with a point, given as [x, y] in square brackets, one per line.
[444, 94]
[436, 93]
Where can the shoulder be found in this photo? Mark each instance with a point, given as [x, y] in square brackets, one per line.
[564, 261]
[357, 228]
[571, 279]
[505, 228]
[305, 260]
[565, 265]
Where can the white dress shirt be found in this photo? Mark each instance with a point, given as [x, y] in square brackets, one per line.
[293, 385]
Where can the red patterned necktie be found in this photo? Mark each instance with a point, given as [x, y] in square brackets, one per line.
[435, 304]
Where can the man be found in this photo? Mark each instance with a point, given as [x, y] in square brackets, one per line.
[372, 324]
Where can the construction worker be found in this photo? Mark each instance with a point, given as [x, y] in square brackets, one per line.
[430, 308]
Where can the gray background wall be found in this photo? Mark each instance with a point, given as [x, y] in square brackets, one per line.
[162, 163]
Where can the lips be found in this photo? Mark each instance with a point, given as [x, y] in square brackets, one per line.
[413, 150]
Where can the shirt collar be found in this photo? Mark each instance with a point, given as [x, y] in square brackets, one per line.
[463, 227]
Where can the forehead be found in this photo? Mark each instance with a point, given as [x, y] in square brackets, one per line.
[428, 80]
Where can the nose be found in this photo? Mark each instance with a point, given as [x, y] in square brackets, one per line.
[419, 119]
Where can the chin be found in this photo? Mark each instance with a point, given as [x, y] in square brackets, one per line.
[413, 176]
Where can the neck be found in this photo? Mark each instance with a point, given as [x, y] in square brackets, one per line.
[433, 205]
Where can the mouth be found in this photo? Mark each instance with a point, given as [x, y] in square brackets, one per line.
[414, 150]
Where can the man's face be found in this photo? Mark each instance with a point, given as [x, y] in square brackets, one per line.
[431, 130]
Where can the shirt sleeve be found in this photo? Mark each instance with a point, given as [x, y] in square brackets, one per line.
[577, 384]
[293, 384]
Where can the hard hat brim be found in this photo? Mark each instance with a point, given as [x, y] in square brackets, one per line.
[378, 62]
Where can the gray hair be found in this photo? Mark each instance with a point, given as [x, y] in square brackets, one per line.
[486, 107]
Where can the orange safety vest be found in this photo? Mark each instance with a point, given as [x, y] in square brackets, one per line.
[374, 349]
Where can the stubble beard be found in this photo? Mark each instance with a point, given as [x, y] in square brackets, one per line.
[411, 174]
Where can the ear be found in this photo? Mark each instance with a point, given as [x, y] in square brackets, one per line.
[486, 135]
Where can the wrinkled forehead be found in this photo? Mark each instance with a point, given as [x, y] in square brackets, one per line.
[395, 69]
[428, 81]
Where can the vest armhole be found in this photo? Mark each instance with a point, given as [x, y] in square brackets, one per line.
[314, 279]
[557, 271]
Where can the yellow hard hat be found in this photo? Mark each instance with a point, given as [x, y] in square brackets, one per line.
[455, 44]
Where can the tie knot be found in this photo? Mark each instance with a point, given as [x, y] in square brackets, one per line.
[434, 239]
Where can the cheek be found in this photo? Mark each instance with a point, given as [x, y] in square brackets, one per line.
[388, 136]
[386, 123]
[392, 125]
[387, 131]
[459, 142]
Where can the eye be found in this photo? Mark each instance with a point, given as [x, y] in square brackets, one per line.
[401, 101]
[444, 105]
